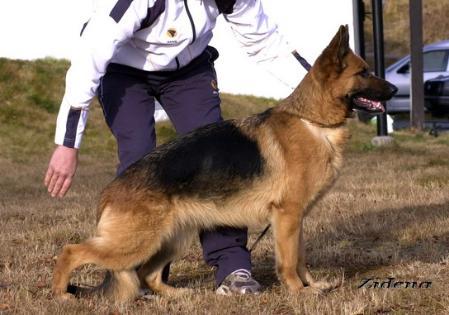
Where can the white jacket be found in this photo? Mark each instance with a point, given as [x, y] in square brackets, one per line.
[158, 35]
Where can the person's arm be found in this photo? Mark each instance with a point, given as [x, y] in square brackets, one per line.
[260, 38]
[113, 22]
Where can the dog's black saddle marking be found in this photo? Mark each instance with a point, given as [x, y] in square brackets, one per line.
[214, 160]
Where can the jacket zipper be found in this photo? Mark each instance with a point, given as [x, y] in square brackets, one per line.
[191, 22]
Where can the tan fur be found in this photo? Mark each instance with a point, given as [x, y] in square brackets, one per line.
[301, 141]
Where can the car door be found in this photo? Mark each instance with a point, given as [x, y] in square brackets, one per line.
[435, 63]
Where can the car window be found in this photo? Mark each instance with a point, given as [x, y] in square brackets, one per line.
[435, 61]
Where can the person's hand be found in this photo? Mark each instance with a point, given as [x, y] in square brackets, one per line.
[61, 170]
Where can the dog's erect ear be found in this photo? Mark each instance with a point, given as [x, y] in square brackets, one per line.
[337, 49]
[340, 43]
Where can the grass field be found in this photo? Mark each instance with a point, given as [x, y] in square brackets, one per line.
[386, 217]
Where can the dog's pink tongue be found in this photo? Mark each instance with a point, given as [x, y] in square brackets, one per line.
[369, 104]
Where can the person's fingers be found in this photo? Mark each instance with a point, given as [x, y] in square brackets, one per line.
[65, 186]
[54, 178]
[48, 176]
[58, 185]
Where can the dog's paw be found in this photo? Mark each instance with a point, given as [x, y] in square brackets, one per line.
[295, 287]
[326, 286]
[175, 292]
[64, 297]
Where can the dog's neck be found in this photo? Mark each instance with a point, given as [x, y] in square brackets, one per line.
[334, 138]
[307, 101]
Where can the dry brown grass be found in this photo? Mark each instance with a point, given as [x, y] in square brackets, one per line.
[387, 216]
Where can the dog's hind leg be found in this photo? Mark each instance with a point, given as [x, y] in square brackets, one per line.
[72, 257]
[151, 272]
[122, 284]
[154, 281]
[120, 253]
[127, 236]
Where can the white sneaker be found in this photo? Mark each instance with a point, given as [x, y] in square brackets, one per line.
[241, 282]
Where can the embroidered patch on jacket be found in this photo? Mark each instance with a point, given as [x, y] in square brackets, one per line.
[171, 33]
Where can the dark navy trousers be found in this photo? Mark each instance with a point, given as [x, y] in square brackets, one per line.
[190, 98]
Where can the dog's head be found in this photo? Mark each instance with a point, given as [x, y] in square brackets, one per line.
[344, 80]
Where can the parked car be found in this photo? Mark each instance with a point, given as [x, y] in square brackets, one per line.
[436, 95]
[436, 63]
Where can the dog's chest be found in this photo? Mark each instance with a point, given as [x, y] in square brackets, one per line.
[332, 141]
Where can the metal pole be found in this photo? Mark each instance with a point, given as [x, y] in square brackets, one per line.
[378, 33]
[359, 34]
[416, 62]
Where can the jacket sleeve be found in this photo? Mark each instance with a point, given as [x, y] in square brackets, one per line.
[112, 23]
[260, 38]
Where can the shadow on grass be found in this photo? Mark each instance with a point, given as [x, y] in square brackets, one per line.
[406, 235]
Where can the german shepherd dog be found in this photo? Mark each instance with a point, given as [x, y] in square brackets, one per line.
[267, 168]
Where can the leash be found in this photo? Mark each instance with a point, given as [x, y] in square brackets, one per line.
[301, 60]
[306, 66]
[260, 237]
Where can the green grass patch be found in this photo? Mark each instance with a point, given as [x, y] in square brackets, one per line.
[239, 106]
[165, 132]
[361, 135]
[44, 102]
[408, 136]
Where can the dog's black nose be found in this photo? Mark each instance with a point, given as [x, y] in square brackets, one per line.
[393, 88]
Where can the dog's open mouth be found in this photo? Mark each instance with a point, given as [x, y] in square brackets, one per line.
[365, 104]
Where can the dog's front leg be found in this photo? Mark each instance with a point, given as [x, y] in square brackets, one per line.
[286, 223]
[304, 273]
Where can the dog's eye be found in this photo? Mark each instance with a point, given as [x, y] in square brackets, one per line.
[364, 73]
